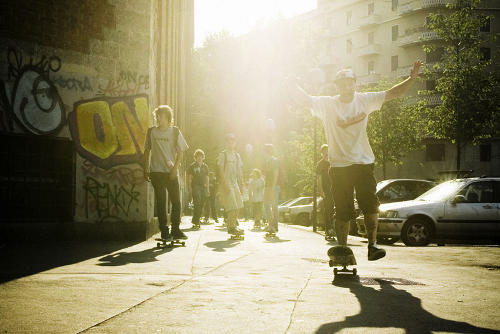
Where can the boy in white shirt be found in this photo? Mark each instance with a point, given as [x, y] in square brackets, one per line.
[345, 117]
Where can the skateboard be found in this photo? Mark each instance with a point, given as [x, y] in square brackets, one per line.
[163, 243]
[271, 235]
[237, 237]
[196, 226]
[342, 256]
[329, 237]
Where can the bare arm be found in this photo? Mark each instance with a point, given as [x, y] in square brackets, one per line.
[401, 88]
[146, 166]
[298, 95]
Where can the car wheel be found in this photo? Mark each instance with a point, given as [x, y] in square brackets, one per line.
[387, 240]
[416, 232]
[302, 219]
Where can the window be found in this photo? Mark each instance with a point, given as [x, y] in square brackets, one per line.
[394, 5]
[434, 152]
[371, 8]
[487, 26]
[348, 17]
[478, 192]
[394, 63]
[485, 152]
[371, 67]
[485, 54]
[395, 32]
[348, 46]
[371, 37]
[434, 56]
[430, 84]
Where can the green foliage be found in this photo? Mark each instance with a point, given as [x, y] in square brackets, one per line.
[466, 81]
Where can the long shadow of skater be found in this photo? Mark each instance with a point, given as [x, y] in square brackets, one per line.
[123, 258]
[221, 245]
[276, 239]
[393, 308]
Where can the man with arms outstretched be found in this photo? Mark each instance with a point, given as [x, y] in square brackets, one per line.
[345, 117]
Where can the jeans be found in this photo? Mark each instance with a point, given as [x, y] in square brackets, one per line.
[161, 183]
[271, 207]
[198, 201]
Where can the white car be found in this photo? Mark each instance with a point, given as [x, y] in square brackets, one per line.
[457, 209]
[297, 211]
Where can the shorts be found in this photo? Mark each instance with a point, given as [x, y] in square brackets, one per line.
[346, 180]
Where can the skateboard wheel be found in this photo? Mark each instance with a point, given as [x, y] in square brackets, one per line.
[335, 271]
[330, 263]
[158, 245]
[183, 244]
[355, 272]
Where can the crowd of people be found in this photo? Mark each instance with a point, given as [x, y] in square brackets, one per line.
[345, 170]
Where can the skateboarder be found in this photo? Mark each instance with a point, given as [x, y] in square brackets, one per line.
[345, 117]
[162, 157]
[272, 189]
[198, 184]
[230, 176]
[325, 189]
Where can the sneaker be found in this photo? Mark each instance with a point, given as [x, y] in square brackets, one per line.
[375, 253]
[178, 234]
[235, 231]
[165, 235]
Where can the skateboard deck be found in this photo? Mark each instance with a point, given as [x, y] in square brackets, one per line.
[162, 243]
[237, 237]
[341, 257]
[196, 226]
[271, 235]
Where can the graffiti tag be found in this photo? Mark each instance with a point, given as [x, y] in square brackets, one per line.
[108, 201]
[73, 83]
[128, 83]
[120, 174]
[110, 131]
[35, 103]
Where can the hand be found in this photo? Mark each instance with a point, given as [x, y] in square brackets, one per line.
[416, 69]
[147, 175]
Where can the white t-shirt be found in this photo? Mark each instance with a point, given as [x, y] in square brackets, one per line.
[162, 143]
[345, 126]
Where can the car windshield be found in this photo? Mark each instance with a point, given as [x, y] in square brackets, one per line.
[382, 184]
[442, 191]
[287, 202]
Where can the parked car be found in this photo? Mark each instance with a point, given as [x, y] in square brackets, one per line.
[458, 209]
[394, 190]
[297, 211]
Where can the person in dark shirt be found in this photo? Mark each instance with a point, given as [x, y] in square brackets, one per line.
[325, 190]
[210, 208]
[198, 184]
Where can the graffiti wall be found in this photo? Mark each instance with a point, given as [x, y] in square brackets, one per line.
[105, 116]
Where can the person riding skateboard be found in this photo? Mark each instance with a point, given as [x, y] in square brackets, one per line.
[198, 184]
[345, 117]
[162, 157]
[230, 175]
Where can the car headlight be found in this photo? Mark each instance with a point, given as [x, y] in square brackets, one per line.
[389, 214]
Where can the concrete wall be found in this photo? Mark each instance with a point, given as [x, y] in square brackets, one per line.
[95, 60]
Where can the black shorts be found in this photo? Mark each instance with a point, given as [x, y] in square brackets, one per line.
[347, 179]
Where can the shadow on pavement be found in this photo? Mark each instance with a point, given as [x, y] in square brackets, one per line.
[221, 245]
[24, 259]
[273, 240]
[393, 308]
[123, 258]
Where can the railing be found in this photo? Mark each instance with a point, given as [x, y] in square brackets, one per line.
[404, 71]
[368, 21]
[416, 38]
[370, 49]
[369, 79]
[412, 6]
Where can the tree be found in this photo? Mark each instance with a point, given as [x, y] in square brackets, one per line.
[466, 82]
[394, 130]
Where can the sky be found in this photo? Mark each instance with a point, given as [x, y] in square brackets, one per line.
[240, 16]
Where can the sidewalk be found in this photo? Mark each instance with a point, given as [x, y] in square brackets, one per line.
[216, 285]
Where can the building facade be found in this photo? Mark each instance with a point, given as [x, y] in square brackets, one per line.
[78, 81]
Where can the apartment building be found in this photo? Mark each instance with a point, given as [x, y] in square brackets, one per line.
[382, 39]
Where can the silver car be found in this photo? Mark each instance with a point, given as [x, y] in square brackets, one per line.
[457, 209]
[297, 211]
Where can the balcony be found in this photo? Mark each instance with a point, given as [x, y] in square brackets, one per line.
[369, 79]
[416, 5]
[369, 50]
[369, 21]
[417, 38]
[404, 71]
[433, 100]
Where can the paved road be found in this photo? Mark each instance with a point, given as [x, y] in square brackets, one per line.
[216, 285]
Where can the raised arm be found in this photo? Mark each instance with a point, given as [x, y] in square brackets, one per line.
[297, 94]
[402, 87]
